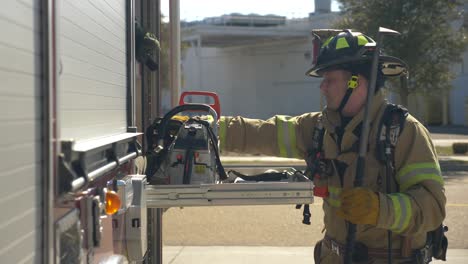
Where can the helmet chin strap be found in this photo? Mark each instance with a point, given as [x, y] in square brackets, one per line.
[352, 84]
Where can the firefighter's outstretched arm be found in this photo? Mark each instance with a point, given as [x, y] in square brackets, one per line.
[282, 136]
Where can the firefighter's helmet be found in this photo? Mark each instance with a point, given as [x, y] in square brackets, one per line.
[348, 50]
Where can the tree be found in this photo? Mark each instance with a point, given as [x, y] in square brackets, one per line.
[432, 39]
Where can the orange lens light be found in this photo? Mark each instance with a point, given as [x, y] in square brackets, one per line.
[112, 202]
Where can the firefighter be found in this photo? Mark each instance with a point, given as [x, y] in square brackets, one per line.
[415, 204]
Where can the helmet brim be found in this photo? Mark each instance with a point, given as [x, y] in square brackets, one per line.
[391, 66]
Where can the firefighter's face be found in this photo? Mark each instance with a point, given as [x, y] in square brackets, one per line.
[334, 86]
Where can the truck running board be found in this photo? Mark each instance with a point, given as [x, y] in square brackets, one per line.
[259, 193]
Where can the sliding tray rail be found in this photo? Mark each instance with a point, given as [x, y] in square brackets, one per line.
[258, 193]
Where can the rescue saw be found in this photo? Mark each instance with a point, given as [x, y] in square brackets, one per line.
[184, 166]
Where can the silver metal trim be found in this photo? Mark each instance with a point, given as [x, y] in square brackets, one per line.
[261, 193]
[49, 73]
[101, 144]
[77, 184]
[131, 64]
[174, 57]
[102, 170]
[87, 145]
[128, 157]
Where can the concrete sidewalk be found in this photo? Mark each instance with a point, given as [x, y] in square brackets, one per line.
[262, 255]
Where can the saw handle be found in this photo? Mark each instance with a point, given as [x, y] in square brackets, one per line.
[216, 106]
[181, 108]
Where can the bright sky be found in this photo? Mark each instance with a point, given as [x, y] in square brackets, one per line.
[191, 10]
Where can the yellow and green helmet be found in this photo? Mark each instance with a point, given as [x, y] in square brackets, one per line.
[348, 49]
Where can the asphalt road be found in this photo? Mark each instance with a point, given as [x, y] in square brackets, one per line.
[281, 225]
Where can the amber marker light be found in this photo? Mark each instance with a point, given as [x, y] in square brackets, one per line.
[112, 202]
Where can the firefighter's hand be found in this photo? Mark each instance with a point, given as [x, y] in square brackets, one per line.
[359, 206]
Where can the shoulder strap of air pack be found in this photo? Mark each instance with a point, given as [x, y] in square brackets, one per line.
[313, 157]
[317, 145]
[390, 128]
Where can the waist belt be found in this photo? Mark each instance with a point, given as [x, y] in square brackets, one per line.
[340, 250]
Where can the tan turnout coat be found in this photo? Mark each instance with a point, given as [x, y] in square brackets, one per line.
[416, 204]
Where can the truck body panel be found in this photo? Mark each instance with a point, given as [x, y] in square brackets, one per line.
[66, 74]
[69, 136]
[93, 69]
[20, 125]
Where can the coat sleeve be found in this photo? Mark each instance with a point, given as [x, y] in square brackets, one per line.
[419, 207]
[282, 136]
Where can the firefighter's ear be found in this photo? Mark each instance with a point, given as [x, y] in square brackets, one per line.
[362, 81]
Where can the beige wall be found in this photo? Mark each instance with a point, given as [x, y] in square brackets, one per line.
[255, 81]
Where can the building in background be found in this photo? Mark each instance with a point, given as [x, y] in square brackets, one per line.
[458, 100]
[257, 66]
[255, 63]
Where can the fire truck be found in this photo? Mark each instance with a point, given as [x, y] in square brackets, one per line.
[75, 105]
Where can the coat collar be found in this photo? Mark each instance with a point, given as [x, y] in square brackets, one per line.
[332, 121]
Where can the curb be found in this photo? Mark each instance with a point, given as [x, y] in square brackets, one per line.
[447, 163]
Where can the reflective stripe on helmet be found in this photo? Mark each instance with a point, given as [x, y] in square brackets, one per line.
[415, 173]
[341, 43]
[286, 137]
[348, 48]
[401, 211]
[362, 40]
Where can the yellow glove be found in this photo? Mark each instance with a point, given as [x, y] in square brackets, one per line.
[359, 206]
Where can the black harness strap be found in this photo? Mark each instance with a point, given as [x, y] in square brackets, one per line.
[313, 163]
[352, 84]
[390, 128]
[345, 99]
